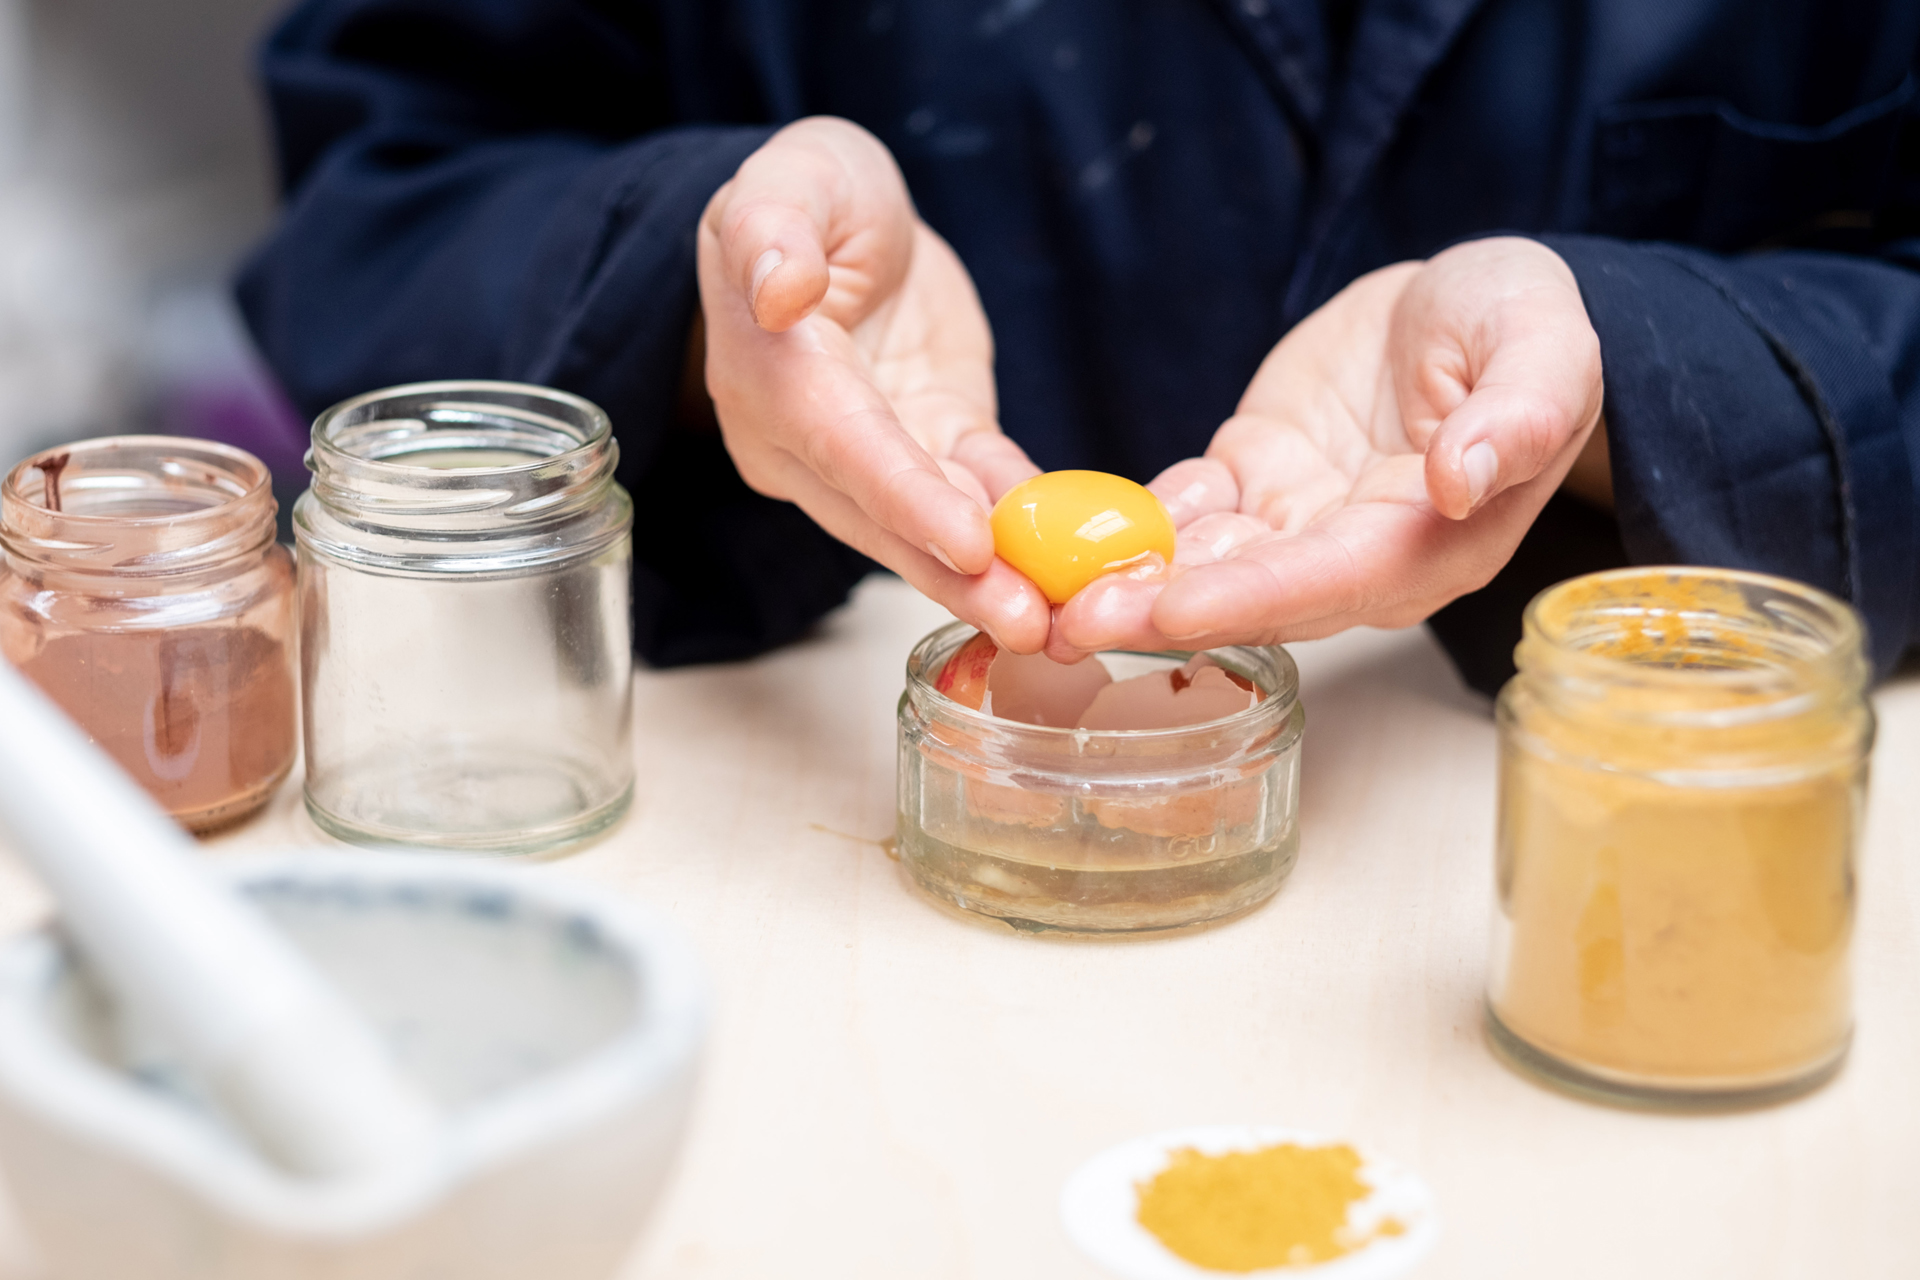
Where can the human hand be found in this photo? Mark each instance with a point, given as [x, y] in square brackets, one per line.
[851, 369]
[1388, 457]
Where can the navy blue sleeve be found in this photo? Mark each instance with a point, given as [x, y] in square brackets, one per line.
[1763, 412]
[497, 189]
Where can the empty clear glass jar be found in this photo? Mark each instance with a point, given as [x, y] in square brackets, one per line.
[142, 589]
[1100, 830]
[1683, 772]
[464, 557]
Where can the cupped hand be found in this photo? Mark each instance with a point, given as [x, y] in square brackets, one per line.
[851, 369]
[1387, 458]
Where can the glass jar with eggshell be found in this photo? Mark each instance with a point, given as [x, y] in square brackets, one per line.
[1129, 793]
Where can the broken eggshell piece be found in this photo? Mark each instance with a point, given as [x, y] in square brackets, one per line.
[964, 678]
[1034, 689]
[1200, 691]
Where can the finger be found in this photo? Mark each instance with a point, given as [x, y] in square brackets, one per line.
[937, 367]
[1111, 612]
[1399, 477]
[771, 228]
[1504, 435]
[1291, 475]
[998, 461]
[933, 350]
[942, 409]
[1324, 374]
[867, 456]
[1058, 650]
[818, 214]
[1000, 601]
[1383, 564]
[1246, 580]
[805, 393]
[966, 482]
[1216, 536]
[1196, 487]
[1302, 589]
[1493, 341]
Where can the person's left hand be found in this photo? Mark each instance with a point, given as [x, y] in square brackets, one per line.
[1387, 458]
[850, 367]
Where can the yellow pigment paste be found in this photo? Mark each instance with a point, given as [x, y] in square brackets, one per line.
[1280, 1206]
[1676, 852]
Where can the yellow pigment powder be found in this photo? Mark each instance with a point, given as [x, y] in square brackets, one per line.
[1677, 829]
[1280, 1206]
[1677, 933]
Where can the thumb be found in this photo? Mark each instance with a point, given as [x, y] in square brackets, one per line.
[771, 249]
[1533, 400]
[1499, 437]
[817, 215]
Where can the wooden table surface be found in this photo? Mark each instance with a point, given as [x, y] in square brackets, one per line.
[896, 1093]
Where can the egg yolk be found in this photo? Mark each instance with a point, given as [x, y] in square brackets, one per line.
[1066, 528]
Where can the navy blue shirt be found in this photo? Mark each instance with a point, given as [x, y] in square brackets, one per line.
[1148, 194]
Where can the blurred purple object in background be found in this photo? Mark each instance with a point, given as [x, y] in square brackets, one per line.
[208, 382]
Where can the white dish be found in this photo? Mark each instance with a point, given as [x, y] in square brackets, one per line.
[556, 1028]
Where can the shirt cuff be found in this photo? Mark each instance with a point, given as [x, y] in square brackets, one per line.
[1743, 430]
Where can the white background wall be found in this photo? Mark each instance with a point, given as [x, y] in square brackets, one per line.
[134, 171]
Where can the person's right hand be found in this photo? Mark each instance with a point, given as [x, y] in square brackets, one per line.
[1387, 458]
[851, 369]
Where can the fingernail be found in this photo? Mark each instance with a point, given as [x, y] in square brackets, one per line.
[1482, 466]
[765, 265]
[934, 550]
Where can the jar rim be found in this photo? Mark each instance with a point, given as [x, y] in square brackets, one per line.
[249, 472]
[595, 426]
[1275, 706]
[1690, 676]
[1762, 649]
[390, 490]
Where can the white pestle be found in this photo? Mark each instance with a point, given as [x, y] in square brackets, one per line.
[292, 1064]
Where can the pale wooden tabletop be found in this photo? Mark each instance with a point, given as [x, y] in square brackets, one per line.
[895, 1093]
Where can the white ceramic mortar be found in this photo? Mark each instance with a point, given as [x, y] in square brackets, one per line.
[557, 1029]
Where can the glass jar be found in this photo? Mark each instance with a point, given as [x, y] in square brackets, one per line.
[466, 655]
[1683, 772]
[142, 589]
[1095, 831]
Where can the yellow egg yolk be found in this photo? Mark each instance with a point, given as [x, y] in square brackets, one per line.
[1066, 528]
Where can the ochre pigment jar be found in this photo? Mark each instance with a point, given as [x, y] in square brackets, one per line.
[143, 590]
[1683, 774]
[467, 664]
[1099, 831]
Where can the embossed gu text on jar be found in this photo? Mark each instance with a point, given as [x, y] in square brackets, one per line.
[464, 555]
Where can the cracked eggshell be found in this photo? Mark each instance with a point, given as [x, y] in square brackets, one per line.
[1034, 689]
[1199, 662]
[1192, 814]
[1167, 699]
[964, 678]
[1012, 805]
